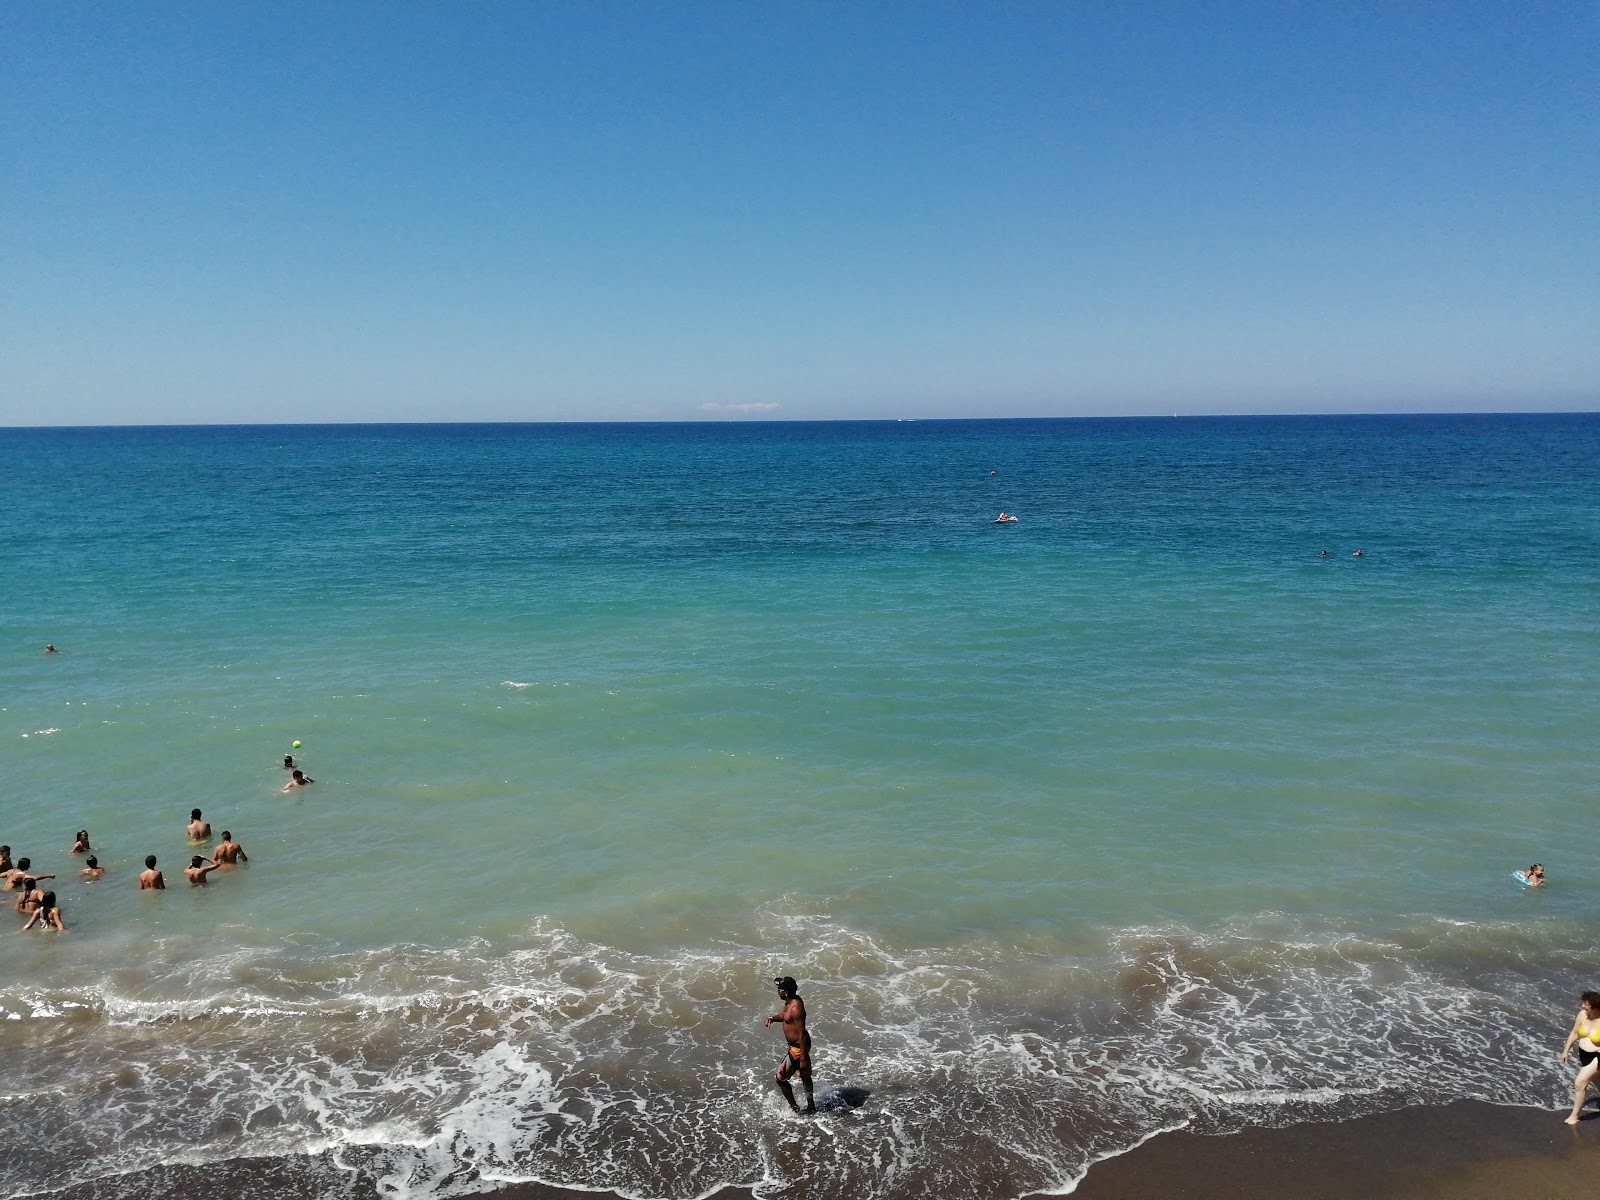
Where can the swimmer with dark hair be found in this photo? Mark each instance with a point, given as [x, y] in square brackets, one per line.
[228, 852]
[81, 846]
[50, 649]
[298, 779]
[150, 878]
[21, 871]
[47, 915]
[196, 873]
[288, 762]
[199, 827]
[93, 869]
[28, 896]
[1534, 875]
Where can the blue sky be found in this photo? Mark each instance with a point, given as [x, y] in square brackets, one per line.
[607, 211]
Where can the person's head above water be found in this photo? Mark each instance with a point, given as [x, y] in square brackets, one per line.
[227, 835]
[91, 862]
[150, 861]
[194, 814]
[299, 775]
[1591, 1001]
[24, 863]
[288, 760]
[787, 987]
[195, 860]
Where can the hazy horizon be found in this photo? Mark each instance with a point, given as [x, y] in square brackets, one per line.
[792, 420]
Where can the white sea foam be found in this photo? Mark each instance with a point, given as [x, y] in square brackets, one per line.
[576, 1064]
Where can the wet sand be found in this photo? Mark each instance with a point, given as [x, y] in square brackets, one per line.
[1463, 1151]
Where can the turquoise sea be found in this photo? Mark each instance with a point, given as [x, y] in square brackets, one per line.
[1131, 815]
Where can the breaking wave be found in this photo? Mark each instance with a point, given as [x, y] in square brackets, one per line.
[439, 1072]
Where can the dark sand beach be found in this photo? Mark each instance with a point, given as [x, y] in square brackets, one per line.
[1462, 1151]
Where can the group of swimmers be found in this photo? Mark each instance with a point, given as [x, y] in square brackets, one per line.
[43, 909]
[39, 905]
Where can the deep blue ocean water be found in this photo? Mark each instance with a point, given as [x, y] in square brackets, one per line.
[1133, 814]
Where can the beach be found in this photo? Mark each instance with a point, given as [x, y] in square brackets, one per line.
[1134, 846]
[1463, 1151]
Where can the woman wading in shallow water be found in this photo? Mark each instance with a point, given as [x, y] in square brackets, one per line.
[1586, 1033]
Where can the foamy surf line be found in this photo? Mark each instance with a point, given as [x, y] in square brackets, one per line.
[425, 1072]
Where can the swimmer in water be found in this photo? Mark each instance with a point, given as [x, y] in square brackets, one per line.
[28, 896]
[47, 915]
[288, 762]
[1359, 554]
[51, 650]
[299, 779]
[1004, 518]
[228, 851]
[93, 869]
[81, 846]
[196, 873]
[150, 878]
[1323, 554]
[1586, 1033]
[5, 861]
[21, 871]
[199, 827]
[1535, 875]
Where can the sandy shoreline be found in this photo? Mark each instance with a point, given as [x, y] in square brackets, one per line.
[1463, 1151]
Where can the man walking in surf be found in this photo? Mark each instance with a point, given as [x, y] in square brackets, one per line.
[798, 1059]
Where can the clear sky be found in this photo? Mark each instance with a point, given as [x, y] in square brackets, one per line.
[223, 212]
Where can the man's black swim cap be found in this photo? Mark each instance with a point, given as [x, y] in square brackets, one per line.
[787, 983]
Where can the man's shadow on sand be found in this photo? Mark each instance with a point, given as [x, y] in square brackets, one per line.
[843, 1099]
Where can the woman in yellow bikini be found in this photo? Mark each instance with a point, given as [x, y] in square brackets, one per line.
[1586, 1033]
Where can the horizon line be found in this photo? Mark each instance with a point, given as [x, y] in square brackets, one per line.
[768, 420]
